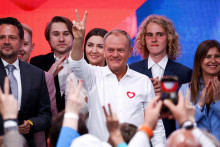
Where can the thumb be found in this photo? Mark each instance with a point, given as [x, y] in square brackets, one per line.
[159, 106]
[169, 105]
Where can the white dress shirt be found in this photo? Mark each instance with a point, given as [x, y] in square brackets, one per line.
[17, 75]
[82, 93]
[128, 97]
[157, 68]
[63, 74]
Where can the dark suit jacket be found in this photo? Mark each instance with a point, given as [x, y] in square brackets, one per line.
[35, 101]
[44, 62]
[172, 68]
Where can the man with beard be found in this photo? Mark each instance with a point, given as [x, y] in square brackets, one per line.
[27, 83]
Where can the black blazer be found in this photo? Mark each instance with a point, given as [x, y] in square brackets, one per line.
[35, 101]
[172, 68]
[44, 62]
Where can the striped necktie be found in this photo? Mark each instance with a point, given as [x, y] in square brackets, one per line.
[13, 81]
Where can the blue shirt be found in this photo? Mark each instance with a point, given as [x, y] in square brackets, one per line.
[209, 121]
[67, 135]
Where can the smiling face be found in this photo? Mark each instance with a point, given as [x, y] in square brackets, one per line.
[95, 51]
[27, 47]
[10, 42]
[156, 40]
[211, 63]
[61, 40]
[117, 52]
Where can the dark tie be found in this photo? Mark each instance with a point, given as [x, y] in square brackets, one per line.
[13, 81]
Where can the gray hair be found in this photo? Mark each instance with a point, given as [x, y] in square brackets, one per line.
[117, 32]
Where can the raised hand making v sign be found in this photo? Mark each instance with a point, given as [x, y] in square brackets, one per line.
[79, 34]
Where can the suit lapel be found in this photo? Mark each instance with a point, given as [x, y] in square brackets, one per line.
[148, 71]
[51, 59]
[2, 74]
[169, 68]
[25, 82]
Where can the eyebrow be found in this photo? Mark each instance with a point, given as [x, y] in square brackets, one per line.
[60, 31]
[156, 32]
[98, 43]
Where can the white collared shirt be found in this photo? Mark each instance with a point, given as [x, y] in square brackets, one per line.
[157, 68]
[128, 97]
[17, 75]
[63, 74]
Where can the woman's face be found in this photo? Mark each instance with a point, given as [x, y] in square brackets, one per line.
[95, 51]
[211, 63]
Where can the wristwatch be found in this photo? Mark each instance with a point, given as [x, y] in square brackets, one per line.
[187, 125]
[13, 128]
[10, 125]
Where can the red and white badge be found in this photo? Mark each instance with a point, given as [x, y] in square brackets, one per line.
[130, 94]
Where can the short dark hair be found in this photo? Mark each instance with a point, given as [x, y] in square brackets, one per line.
[128, 131]
[93, 32]
[57, 125]
[13, 21]
[63, 19]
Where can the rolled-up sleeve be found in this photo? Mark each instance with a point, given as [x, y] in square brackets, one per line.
[83, 71]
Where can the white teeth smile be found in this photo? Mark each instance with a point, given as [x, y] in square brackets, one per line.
[20, 55]
[212, 65]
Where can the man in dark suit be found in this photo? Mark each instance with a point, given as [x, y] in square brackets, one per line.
[158, 43]
[27, 83]
[59, 35]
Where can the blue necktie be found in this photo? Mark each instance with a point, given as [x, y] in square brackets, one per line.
[13, 81]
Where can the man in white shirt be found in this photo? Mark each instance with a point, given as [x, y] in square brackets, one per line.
[127, 91]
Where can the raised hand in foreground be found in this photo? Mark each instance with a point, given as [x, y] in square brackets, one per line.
[113, 127]
[8, 104]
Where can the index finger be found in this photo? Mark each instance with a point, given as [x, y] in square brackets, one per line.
[187, 95]
[156, 99]
[21, 126]
[61, 60]
[71, 87]
[77, 16]
[6, 86]
[105, 112]
[110, 110]
[78, 89]
[180, 98]
[85, 17]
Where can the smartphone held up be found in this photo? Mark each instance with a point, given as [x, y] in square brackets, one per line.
[169, 90]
